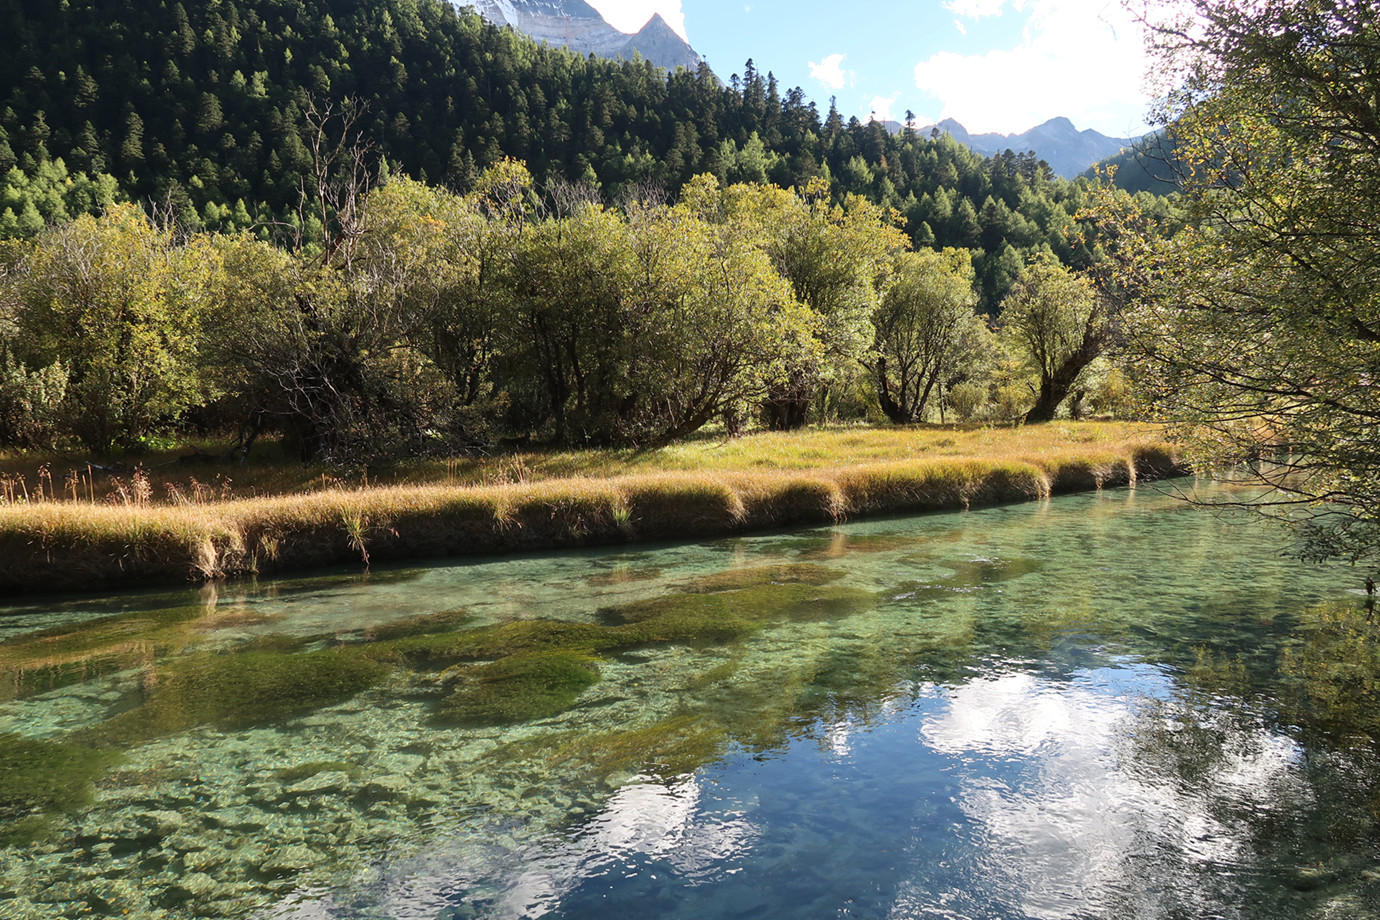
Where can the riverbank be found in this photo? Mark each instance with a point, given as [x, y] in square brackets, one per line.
[73, 545]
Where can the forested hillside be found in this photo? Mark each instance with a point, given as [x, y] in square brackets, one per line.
[201, 108]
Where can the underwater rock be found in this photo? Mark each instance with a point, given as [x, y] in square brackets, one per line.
[388, 786]
[162, 823]
[235, 908]
[323, 783]
[194, 885]
[247, 819]
[1310, 878]
[123, 830]
[404, 764]
[200, 859]
[289, 860]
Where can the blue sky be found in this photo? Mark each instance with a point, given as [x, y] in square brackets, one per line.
[994, 65]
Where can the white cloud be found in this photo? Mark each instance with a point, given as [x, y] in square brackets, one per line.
[830, 71]
[981, 9]
[881, 107]
[1083, 59]
[631, 15]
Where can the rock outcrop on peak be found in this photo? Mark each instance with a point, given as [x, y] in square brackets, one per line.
[576, 25]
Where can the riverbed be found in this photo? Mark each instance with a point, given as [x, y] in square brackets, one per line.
[1112, 704]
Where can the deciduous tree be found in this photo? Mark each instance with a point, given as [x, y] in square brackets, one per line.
[120, 303]
[1262, 323]
[1059, 324]
[924, 325]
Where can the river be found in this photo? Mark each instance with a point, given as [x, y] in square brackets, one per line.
[1106, 705]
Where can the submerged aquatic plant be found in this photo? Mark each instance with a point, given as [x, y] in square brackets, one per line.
[519, 688]
[41, 778]
[803, 573]
[50, 658]
[240, 689]
[427, 624]
[531, 669]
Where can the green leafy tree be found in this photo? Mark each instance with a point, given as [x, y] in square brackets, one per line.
[31, 416]
[711, 326]
[445, 255]
[565, 280]
[331, 347]
[118, 302]
[1058, 323]
[925, 328]
[1260, 325]
[212, 113]
[49, 194]
[836, 259]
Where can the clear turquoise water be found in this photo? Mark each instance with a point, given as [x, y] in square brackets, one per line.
[1113, 705]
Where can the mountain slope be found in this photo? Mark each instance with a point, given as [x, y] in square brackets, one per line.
[659, 43]
[1058, 142]
[1151, 165]
[200, 110]
[576, 25]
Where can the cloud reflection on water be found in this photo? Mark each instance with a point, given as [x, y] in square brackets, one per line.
[1103, 793]
[509, 879]
[644, 819]
[1091, 812]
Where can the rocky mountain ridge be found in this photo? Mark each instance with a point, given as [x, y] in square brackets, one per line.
[576, 25]
[1067, 150]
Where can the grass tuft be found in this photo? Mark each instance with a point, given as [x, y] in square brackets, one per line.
[681, 504]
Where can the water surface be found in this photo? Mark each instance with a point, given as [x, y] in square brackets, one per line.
[1112, 705]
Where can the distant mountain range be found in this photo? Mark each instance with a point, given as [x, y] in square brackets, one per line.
[576, 25]
[1068, 151]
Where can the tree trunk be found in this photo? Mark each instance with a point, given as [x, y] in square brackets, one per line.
[787, 407]
[895, 412]
[1055, 387]
[925, 396]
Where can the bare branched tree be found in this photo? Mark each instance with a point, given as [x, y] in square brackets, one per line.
[343, 170]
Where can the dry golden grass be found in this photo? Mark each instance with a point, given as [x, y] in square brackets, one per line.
[542, 500]
[270, 472]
